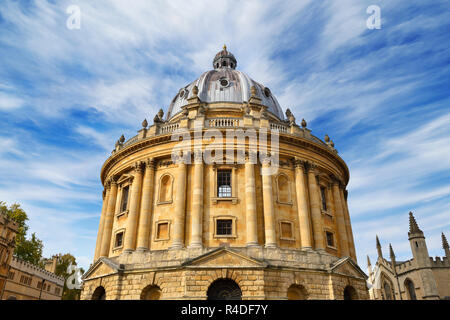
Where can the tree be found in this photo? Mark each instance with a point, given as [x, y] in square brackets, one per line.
[26, 249]
[64, 260]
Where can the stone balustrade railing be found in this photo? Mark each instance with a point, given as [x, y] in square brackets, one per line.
[279, 127]
[169, 128]
[223, 123]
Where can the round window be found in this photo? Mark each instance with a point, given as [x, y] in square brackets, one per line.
[224, 82]
[267, 92]
[183, 93]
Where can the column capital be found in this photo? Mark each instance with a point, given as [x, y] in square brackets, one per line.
[138, 167]
[112, 181]
[150, 163]
[299, 163]
[311, 166]
[251, 156]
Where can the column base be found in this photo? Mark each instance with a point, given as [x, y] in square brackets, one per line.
[142, 249]
[306, 248]
[253, 245]
[270, 245]
[176, 246]
[128, 251]
[195, 246]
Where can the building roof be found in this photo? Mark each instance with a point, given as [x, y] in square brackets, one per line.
[225, 84]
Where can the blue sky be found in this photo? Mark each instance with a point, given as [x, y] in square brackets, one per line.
[382, 95]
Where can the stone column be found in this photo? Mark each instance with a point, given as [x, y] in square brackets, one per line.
[269, 223]
[133, 214]
[250, 201]
[180, 206]
[197, 201]
[316, 214]
[302, 205]
[348, 225]
[102, 223]
[340, 220]
[109, 219]
[146, 206]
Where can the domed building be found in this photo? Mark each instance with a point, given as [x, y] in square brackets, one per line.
[262, 217]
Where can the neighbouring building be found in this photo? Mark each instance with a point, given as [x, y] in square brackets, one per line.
[179, 227]
[419, 278]
[29, 282]
[8, 232]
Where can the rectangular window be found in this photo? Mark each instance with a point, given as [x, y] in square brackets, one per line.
[162, 231]
[119, 240]
[224, 227]
[39, 285]
[224, 183]
[286, 230]
[330, 239]
[324, 198]
[11, 275]
[124, 204]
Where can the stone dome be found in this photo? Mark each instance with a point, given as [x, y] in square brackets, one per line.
[225, 84]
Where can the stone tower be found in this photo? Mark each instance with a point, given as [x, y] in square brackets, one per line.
[421, 258]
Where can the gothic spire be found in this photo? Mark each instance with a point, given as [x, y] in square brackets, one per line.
[391, 252]
[444, 242]
[413, 226]
[380, 253]
[368, 261]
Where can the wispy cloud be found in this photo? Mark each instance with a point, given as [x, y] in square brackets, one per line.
[67, 95]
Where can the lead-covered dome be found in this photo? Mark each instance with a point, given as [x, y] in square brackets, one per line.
[225, 84]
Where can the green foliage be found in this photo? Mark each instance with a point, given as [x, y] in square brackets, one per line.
[64, 260]
[26, 249]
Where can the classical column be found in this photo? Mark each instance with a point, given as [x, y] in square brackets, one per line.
[316, 214]
[146, 206]
[107, 228]
[133, 214]
[102, 222]
[302, 205]
[180, 205]
[250, 201]
[348, 224]
[269, 224]
[197, 201]
[340, 219]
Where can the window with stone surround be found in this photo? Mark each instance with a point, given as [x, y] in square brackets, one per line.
[283, 186]
[165, 189]
[224, 183]
[162, 230]
[286, 230]
[323, 195]
[225, 227]
[330, 239]
[118, 239]
[124, 201]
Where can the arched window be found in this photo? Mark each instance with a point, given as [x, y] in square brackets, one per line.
[283, 187]
[297, 292]
[387, 291]
[410, 290]
[350, 293]
[151, 293]
[224, 64]
[224, 289]
[165, 188]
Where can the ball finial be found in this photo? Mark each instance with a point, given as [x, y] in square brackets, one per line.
[144, 123]
[225, 47]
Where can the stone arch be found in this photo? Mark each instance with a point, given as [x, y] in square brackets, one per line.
[410, 289]
[224, 289]
[165, 188]
[297, 292]
[151, 292]
[99, 294]
[283, 188]
[350, 293]
[387, 288]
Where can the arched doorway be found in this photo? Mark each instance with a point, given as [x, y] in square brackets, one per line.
[350, 293]
[297, 292]
[99, 294]
[151, 293]
[410, 290]
[224, 289]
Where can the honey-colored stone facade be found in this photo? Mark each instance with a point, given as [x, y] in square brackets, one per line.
[160, 219]
[8, 232]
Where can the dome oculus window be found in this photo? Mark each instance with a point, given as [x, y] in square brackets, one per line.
[183, 93]
[224, 82]
[267, 92]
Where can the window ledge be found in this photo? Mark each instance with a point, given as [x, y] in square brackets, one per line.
[331, 247]
[224, 236]
[121, 214]
[162, 239]
[234, 200]
[285, 203]
[164, 202]
[287, 239]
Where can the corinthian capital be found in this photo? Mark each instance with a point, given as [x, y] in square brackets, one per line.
[150, 163]
[138, 167]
